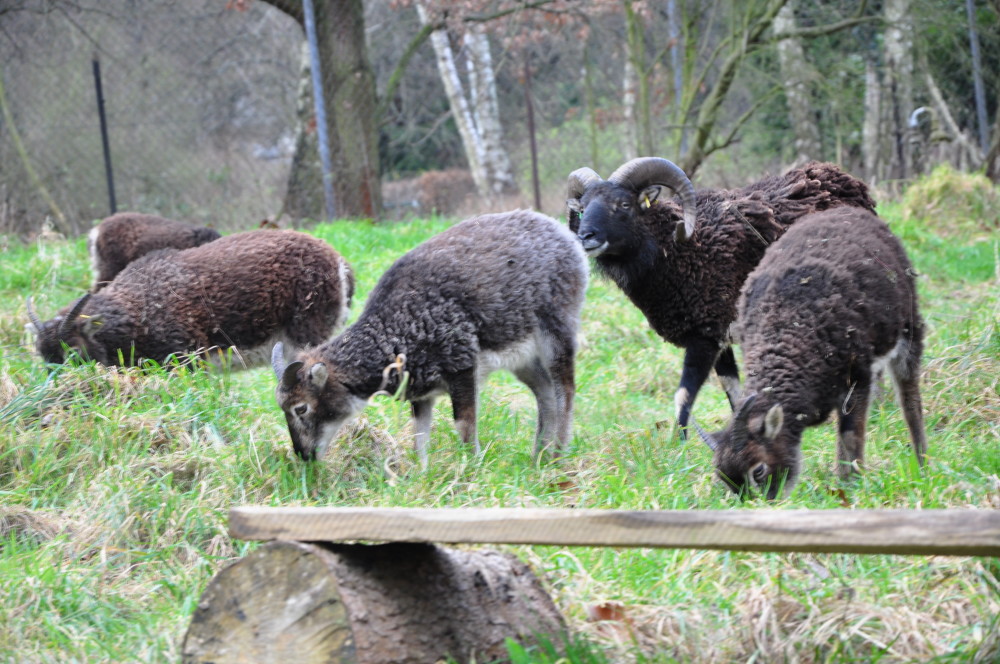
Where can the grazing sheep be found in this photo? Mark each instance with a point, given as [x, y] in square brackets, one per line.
[830, 306]
[124, 237]
[497, 291]
[682, 263]
[244, 291]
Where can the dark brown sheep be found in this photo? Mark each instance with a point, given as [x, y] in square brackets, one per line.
[126, 236]
[832, 304]
[244, 291]
[682, 262]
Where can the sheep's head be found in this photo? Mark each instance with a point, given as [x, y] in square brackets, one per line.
[316, 404]
[67, 329]
[756, 453]
[602, 212]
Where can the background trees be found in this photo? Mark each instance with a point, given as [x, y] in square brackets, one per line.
[209, 119]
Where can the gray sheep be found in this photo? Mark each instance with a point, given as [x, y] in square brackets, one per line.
[497, 291]
[124, 237]
[830, 306]
[682, 262]
[244, 291]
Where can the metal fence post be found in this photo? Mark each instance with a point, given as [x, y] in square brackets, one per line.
[320, 103]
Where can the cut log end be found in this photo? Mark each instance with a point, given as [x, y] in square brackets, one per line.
[298, 602]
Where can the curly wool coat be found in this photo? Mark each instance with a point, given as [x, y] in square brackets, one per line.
[829, 305]
[497, 291]
[246, 290]
[688, 290]
[126, 236]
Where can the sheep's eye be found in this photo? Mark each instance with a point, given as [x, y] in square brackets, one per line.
[626, 205]
[759, 473]
[301, 409]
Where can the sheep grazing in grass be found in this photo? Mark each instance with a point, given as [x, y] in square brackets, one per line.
[243, 291]
[682, 262]
[497, 291]
[831, 305]
[124, 237]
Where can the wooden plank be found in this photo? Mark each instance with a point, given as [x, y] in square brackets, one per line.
[965, 532]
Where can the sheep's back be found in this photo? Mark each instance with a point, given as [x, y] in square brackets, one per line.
[127, 236]
[492, 278]
[835, 293]
[238, 290]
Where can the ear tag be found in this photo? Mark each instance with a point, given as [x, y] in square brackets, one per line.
[646, 204]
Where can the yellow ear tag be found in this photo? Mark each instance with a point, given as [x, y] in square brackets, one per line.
[647, 204]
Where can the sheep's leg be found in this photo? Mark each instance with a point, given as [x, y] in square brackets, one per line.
[537, 377]
[464, 394]
[563, 371]
[853, 418]
[699, 357]
[729, 375]
[907, 384]
[422, 411]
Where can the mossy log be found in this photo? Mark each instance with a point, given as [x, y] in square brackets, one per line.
[298, 602]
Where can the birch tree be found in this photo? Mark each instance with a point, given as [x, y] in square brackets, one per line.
[796, 76]
[899, 72]
[476, 111]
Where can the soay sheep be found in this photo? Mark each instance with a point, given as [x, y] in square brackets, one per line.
[682, 262]
[124, 237]
[832, 304]
[496, 291]
[245, 291]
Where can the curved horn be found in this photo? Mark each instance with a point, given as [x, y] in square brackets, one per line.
[709, 439]
[278, 359]
[67, 323]
[32, 316]
[740, 430]
[645, 171]
[579, 180]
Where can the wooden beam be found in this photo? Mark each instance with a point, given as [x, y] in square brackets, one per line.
[964, 532]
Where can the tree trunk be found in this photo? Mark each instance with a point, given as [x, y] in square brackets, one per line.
[459, 104]
[304, 194]
[478, 114]
[870, 132]
[677, 66]
[486, 109]
[993, 156]
[899, 73]
[630, 148]
[297, 602]
[796, 76]
[349, 93]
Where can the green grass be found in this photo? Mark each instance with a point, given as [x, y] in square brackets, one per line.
[115, 484]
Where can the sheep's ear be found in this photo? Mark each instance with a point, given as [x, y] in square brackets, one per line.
[574, 205]
[289, 376]
[650, 195]
[773, 421]
[318, 375]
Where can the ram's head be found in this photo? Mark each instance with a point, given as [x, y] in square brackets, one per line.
[602, 212]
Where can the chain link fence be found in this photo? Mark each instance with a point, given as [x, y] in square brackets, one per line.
[199, 102]
[203, 101]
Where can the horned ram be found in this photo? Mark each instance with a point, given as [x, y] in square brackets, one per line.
[682, 261]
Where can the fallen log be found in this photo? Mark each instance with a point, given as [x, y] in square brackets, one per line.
[296, 602]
